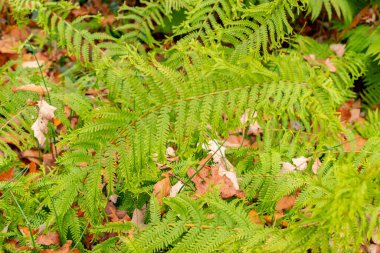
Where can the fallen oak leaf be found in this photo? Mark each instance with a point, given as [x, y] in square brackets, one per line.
[32, 88]
[52, 238]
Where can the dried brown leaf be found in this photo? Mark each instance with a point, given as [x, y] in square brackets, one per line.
[52, 238]
[162, 188]
[286, 203]
[32, 88]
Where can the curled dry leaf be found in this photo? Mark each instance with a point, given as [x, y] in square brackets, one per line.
[46, 111]
[338, 49]
[40, 129]
[32, 88]
[316, 165]
[52, 238]
[162, 188]
[175, 189]
[300, 162]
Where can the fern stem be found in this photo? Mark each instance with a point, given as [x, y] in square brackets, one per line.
[84, 230]
[59, 223]
[190, 225]
[26, 220]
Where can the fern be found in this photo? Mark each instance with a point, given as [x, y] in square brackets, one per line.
[220, 58]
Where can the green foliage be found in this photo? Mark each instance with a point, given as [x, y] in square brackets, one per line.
[220, 58]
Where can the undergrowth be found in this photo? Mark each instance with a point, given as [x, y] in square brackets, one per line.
[179, 74]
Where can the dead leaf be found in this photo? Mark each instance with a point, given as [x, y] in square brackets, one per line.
[25, 231]
[46, 111]
[286, 203]
[287, 167]
[33, 155]
[235, 141]
[32, 88]
[64, 249]
[113, 198]
[310, 57]
[358, 143]
[338, 49]
[110, 210]
[300, 162]
[355, 115]
[254, 129]
[32, 168]
[175, 189]
[52, 238]
[330, 65]
[48, 160]
[108, 20]
[254, 217]
[170, 152]
[170, 155]
[373, 248]
[8, 44]
[7, 175]
[138, 216]
[277, 215]
[162, 188]
[225, 168]
[209, 176]
[316, 165]
[32, 64]
[40, 129]
[345, 110]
